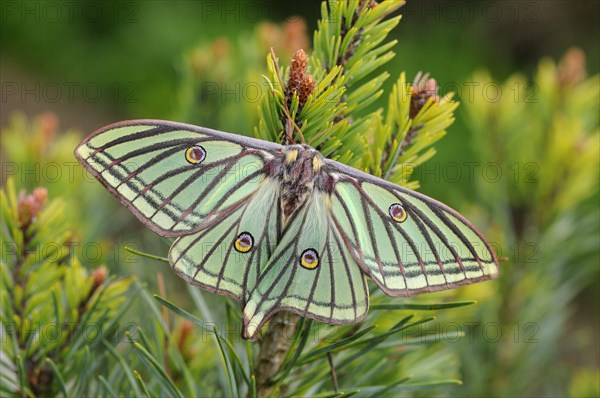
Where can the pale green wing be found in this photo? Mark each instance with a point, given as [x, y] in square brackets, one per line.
[217, 259]
[311, 273]
[406, 242]
[175, 178]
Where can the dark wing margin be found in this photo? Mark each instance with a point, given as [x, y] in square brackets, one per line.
[143, 163]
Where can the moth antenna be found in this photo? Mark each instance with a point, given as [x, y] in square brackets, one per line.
[319, 134]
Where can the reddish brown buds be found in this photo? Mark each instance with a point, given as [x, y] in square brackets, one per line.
[423, 89]
[299, 81]
[29, 206]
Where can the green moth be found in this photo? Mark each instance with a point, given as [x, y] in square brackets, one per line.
[281, 227]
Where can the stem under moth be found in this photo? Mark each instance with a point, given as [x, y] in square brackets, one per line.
[274, 346]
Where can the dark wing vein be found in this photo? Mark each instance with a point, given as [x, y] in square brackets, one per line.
[348, 273]
[419, 214]
[458, 233]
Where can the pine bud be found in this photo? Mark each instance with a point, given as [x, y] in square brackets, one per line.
[99, 275]
[423, 89]
[299, 81]
[29, 206]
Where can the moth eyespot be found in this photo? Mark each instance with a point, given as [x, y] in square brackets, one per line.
[309, 259]
[398, 213]
[195, 154]
[244, 242]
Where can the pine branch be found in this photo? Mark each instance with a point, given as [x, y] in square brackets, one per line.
[274, 346]
[45, 291]
[348, 45]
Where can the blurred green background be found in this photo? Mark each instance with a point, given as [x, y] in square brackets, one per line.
[94, 63]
